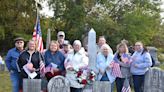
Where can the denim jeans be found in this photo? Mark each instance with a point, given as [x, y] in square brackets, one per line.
[138, 81]
[15, 80]
[105, 78]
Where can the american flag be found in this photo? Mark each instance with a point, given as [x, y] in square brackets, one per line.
[37, 35]
[126, 86]
[116, 70]
[42, 66]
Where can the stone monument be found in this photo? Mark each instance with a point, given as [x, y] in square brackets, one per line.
[153, 53]
[154, 80]
[58, 84]
[97, 86]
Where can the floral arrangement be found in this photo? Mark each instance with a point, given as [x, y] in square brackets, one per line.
[85, 76]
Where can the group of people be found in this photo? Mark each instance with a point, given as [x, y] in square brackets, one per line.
[63, 59]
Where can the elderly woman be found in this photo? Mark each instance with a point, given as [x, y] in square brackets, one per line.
[122, 57]
[104, 59]
[54, 61]
[141, 62]
[30, 61]
[75, 60]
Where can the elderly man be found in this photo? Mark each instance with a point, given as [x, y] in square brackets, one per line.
[61, 38]
[11, 64]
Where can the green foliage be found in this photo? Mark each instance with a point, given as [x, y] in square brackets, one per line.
[132, 20]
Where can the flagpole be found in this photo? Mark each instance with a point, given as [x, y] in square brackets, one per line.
[37, 11]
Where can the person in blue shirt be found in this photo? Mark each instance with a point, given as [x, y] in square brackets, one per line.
[11, 64]
[141, 62]
[54, 61]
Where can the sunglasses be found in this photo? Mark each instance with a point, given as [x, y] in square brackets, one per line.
[19, 42]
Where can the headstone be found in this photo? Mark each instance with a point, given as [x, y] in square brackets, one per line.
[58, 84]
[92, 49]
[98, 86]
[153, 53]
[31, 85]
[2, 67]
[102, 86]
[154, 80]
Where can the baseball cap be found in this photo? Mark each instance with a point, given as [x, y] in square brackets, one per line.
[19, 39]
[61, 33]
[66, 42]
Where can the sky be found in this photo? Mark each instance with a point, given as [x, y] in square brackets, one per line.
[49, 12]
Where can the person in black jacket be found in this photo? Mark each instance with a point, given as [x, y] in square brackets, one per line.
[32, 60]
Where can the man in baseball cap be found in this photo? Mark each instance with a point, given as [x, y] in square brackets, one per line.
[61, 38]
[11, 59]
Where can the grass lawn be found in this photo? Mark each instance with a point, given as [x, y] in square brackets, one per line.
[5, 83]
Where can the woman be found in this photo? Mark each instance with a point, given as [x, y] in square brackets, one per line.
[66, 48]
[31, 61]
[104, 59]
[75, 60]
[54, 61]
[141, 62]
[122, 57]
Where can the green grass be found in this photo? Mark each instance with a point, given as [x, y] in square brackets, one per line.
[5, 83]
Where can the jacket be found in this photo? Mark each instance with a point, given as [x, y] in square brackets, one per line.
[102, 63]
[57, 58]
[11, 59]
[36, 58]
[76, 60]
[124, 67]
[143, 62]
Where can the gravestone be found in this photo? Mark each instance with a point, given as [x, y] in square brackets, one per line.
[58, 84]
[154, 80]
[2, 67]
[31, 85]
[153, 53]
[98, 86]
[92, 49]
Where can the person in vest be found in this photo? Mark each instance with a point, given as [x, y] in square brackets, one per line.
[141, 62]
[123, 58]
[11, 64]
[75, 60]
[32, 61]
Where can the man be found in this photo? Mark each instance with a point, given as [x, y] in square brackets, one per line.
[11, 64]
[60, 38]
[102, 41]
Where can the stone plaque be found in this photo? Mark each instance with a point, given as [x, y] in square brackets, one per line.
[154, 80]
[31, 85]
[153, 53]
[2, 67]
[58, 84]
[98, 86]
